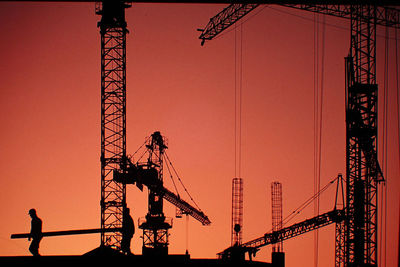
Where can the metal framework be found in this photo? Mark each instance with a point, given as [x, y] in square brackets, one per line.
[363, 170]
[356, 237]
[224, 19]
[113, 116]
[340, 226]
[155, 225]
[237, 211]
[276, 202]
[300, 228]
[385, 16]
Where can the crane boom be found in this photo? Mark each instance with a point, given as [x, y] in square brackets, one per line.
[385, 16]
[224, 19]
[145, 175]
[294, 230]
[184, 206]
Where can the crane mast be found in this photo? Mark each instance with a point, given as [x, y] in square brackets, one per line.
[356, 236]
[113, 32]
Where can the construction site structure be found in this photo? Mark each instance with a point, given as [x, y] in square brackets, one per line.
[277, 255]
[358, 220]
[237, 211]
[155, 225]
[276, 210]
[359, 230]
[251, 247]
[113, 30]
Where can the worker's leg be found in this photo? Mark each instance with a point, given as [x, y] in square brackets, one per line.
[34, 247]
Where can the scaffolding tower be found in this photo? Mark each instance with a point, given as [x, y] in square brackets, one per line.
[276, 195]
[237, 211]
[113, 116]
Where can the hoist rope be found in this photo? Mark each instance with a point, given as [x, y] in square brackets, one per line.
[318, 117]
[316, 108]
[235, 104]
[238, 98]
[383, 193]
[398, 129]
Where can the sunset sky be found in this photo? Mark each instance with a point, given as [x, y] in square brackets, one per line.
[50, 121]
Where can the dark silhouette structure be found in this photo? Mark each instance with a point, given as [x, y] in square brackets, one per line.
[36, 233]
[357, 234]
[113, 32]
[237, 211]
[128, 230]
[155, 225]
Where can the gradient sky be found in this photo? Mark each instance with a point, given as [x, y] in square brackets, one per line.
[50, 121]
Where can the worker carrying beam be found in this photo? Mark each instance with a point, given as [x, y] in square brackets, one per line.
[128, 229]
[36, 233]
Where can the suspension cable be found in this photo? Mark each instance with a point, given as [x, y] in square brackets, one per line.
[318, 115]
[172, 178]
[382, 229]
[316, 100]
[398, 127]
[307, 202]
[179, 179]
[238, 98]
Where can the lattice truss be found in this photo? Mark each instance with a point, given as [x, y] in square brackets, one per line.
[113, 125]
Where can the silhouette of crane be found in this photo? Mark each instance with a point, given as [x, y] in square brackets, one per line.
[356, 240]
[150, 173]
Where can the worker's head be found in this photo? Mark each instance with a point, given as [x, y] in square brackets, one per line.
[32, 212]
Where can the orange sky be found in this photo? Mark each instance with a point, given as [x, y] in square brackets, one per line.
[50, 138]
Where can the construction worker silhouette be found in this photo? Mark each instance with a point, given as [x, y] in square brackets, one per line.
[36, 233]
[128, 229]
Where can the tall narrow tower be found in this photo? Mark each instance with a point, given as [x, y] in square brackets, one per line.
[113, 116]
[276, 195]
[237, 211]
[155, 226]
[363, 173]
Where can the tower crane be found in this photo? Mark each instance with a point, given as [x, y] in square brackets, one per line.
[150, 173]
[356, 240]
[236, 252]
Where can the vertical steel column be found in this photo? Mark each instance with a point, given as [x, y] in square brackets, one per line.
[340, 225]
[237, 211]
[276, 201]
[361, 135]
[113, 116]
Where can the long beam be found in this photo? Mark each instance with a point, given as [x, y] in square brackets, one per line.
[295, 2]
[224, 19]
[385, 16]
[184, 206]
[68, 232]
[294, 230]
[297, 229]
